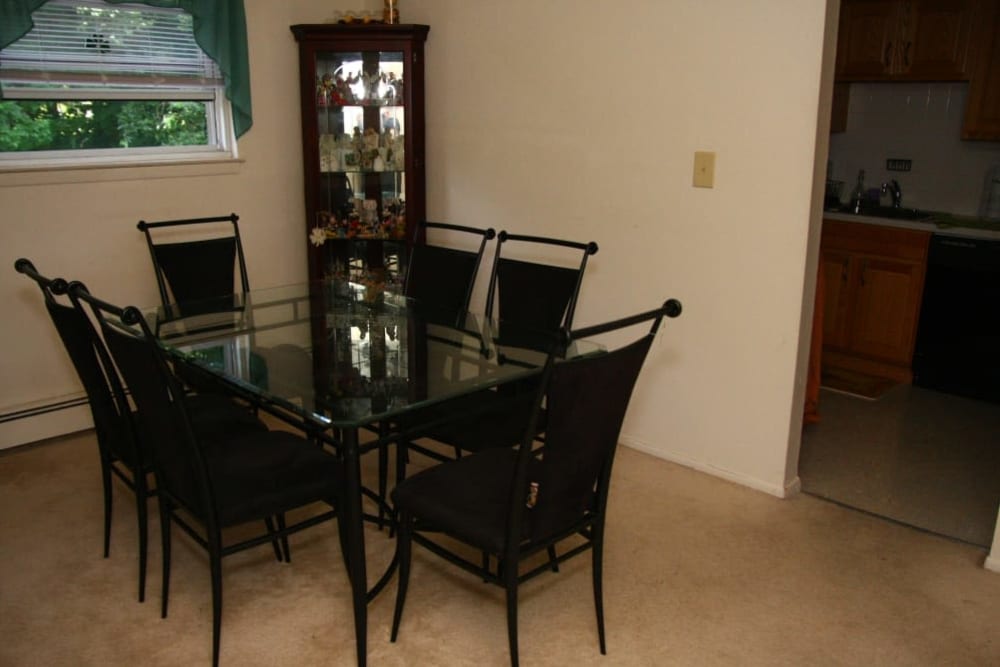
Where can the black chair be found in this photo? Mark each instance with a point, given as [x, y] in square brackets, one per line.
[442, 278]
[529, 301]
[207, 484]
[196, 261]
[121, 453]
[516, 503]
[534, 295]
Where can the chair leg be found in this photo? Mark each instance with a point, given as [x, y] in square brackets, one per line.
[166, 516]
[284, 539]
[597, 541]
[141, 502]
[275, 543]
[510, 583]
[554, 564]
[383, 476]
[215, 558]
[402, 458]
[403, 551]
[106, 481]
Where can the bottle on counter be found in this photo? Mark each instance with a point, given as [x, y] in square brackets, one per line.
[858, 195]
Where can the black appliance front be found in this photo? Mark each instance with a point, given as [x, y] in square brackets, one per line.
[958, 338]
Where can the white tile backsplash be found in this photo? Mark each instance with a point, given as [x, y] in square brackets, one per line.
[921, 122]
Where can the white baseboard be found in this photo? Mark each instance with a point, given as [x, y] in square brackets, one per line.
[43, 426]
[992, 563]
[789, 489]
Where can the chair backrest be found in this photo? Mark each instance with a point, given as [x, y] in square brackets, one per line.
[585, 401]
[197, 272]
[443, 277]
[161, 418]
[94, 368]
[531, 294]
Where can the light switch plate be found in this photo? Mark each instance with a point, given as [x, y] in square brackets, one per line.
[704, 169]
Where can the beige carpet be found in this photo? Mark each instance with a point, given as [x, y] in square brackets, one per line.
[699, 572]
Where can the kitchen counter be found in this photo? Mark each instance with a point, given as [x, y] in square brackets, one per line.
[938, 223]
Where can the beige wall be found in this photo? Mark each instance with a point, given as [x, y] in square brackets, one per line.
[581, 120]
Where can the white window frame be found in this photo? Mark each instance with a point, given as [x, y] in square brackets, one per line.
[221, 142]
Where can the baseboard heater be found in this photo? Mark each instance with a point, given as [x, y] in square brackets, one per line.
[42, 409]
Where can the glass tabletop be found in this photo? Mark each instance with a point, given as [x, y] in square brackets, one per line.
[342, 355]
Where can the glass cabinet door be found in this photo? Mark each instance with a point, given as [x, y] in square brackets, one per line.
[361, 134]
[362, 115]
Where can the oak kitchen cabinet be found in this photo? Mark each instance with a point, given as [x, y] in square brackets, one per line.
[873, 278]
[982, 112]
[904, 40]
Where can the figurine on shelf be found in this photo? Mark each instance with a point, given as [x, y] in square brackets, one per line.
[323, 88]
[388, 228]
[371, 82]
[397, 87]
[341, 93]
[398, 152]
[353, 225]
[329, 158]
[371, 139]
[351, 79]
[370, 212]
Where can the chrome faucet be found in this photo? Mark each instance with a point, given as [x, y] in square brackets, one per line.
[892, 187]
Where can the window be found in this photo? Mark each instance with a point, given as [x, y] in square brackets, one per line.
[94, 82]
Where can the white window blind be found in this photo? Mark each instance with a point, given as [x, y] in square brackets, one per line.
[79, 49]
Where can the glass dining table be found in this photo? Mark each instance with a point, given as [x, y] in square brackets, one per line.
[336, 360]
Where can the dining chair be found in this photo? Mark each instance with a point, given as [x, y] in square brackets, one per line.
[528, 300]
[122, 454]
[443, 277]
[208, 484]
[441, 280]
[515, 503]
[196, 262]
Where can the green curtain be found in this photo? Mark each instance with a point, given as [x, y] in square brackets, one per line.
[220, 28]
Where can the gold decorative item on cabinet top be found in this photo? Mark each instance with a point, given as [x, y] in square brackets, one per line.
[390, 14]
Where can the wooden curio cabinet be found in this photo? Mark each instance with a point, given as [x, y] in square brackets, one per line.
[362, 89]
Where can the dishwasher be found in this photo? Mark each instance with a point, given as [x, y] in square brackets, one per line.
[957, 349]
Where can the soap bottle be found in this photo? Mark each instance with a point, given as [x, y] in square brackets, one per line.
[858, 195]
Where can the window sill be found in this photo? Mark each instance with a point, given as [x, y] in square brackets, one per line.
[54, 175]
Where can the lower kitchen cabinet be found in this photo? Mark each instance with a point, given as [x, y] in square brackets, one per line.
[873, 278]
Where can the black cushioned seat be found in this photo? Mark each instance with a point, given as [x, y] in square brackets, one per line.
[513, 503]
[207, 484]
[122, 454]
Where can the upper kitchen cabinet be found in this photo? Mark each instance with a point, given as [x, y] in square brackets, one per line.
[363, 148]
[982, 112]
[904, 40]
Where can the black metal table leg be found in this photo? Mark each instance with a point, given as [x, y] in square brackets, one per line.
[355, 541]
